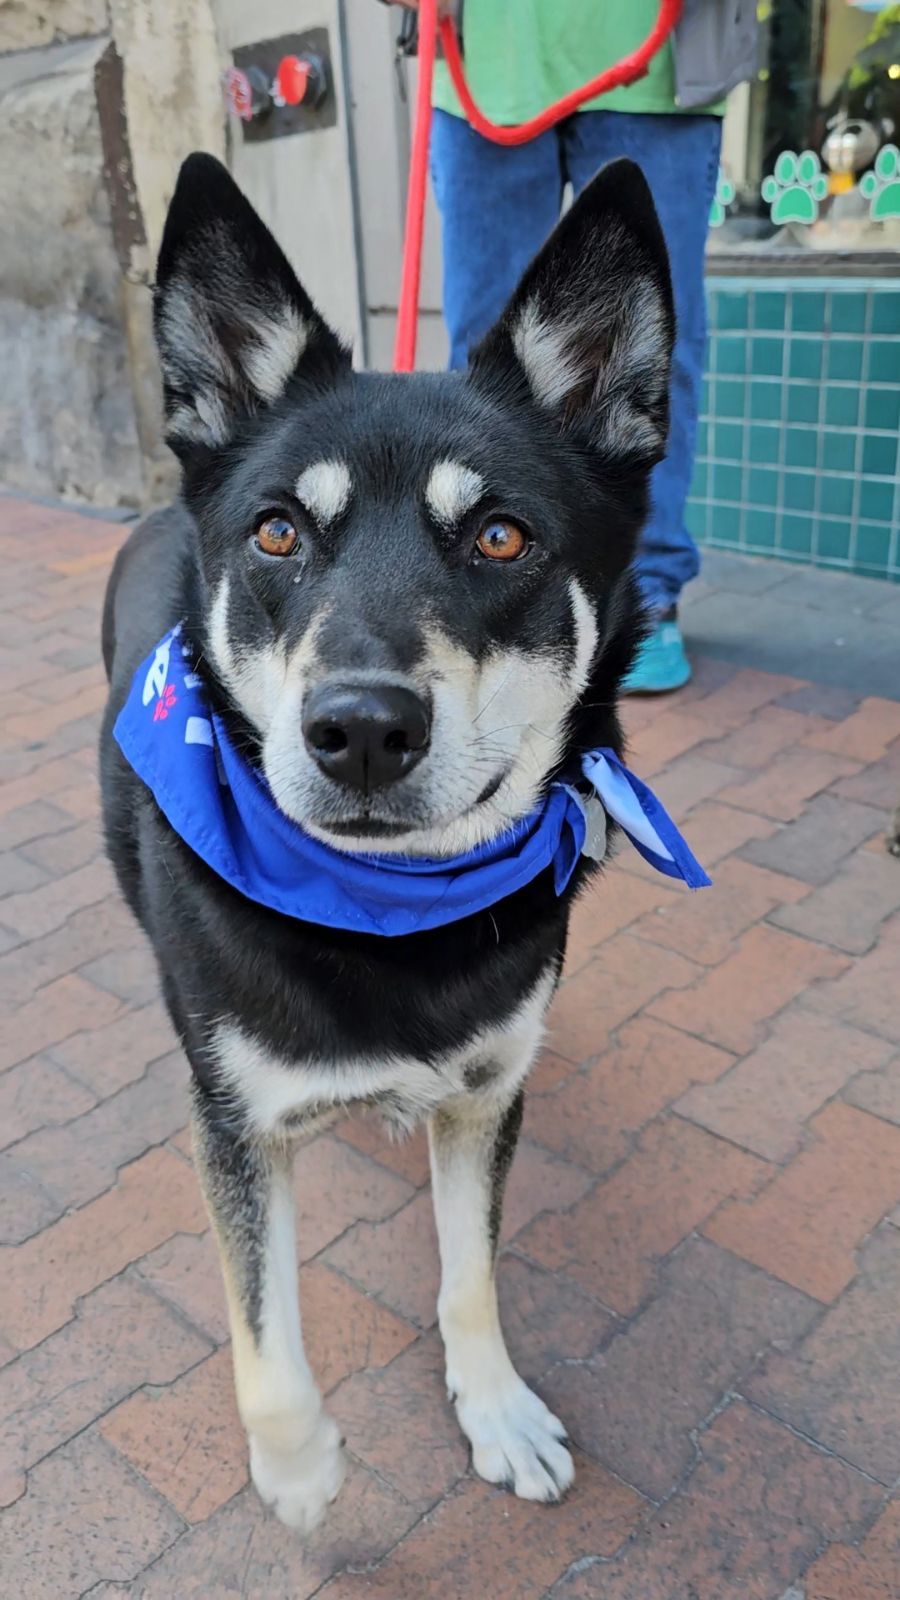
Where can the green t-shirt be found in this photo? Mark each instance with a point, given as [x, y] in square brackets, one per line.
[521, 55]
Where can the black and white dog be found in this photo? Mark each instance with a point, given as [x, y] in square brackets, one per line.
[410, 601]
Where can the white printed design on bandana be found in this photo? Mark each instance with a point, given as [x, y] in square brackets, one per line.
[198, 730]
[155, 681]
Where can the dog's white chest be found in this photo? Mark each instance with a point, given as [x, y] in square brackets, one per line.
[275, 1093]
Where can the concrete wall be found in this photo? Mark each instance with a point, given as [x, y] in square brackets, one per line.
[100, 100]
[98, 104]
[67, 423]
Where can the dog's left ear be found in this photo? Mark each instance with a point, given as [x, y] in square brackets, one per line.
[233, 324]
[588, 333]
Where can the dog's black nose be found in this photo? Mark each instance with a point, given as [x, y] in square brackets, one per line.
[366, 735]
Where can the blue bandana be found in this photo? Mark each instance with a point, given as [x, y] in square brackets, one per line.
[223, 809]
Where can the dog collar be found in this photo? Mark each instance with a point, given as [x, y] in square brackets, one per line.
[222, 807]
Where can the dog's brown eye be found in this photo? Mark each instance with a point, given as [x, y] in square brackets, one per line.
[276, 536]
[501, 541]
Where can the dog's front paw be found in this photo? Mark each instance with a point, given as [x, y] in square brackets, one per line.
[516, 1441]
[300, 1484]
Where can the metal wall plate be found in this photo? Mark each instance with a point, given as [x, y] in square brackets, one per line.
[279, 122]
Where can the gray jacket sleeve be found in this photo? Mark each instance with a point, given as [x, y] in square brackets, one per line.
[716, 46]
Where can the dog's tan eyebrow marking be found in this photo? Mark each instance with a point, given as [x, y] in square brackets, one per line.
[324, 489]
[452, 490]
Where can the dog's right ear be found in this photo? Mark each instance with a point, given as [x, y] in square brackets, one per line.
[233, 324]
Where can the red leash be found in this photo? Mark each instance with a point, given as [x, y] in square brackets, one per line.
[624, 72]
[408, 304]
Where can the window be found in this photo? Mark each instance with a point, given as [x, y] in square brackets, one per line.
[810, 159]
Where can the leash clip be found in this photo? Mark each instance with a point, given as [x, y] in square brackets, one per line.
[407, 37]
[407, 43]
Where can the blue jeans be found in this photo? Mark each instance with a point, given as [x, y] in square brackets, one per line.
[498, 204]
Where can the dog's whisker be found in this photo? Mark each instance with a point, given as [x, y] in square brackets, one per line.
[491, 698]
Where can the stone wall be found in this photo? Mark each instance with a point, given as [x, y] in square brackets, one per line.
[26, 23]
[98, 106]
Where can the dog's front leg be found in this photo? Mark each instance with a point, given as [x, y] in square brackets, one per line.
[295, 1450]
[515, 1439]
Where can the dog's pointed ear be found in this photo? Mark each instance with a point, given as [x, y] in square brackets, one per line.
[233, 325]
[588, 333]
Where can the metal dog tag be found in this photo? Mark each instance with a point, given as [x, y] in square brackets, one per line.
[594, 846]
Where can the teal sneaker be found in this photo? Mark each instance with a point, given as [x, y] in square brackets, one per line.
[661, 664]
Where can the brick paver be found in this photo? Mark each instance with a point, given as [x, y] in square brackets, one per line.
[806, 1225]
[611, 1241]
[757, 1505]
[782, 788]
[831, 827]
[847, 912]
[871, 1572]
[733, 1003]
[841, 1384]
[764, 1103]
[696, 1338]
[702, 1241]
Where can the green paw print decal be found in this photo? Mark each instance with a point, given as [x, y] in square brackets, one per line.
[882, 186]
[795, 188]
[722, 199]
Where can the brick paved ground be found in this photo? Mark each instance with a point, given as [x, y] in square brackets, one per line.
[702, 1263]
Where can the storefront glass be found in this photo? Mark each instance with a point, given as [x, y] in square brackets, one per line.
[810, 160]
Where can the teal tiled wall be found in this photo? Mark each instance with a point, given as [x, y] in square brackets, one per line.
[798, 449]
